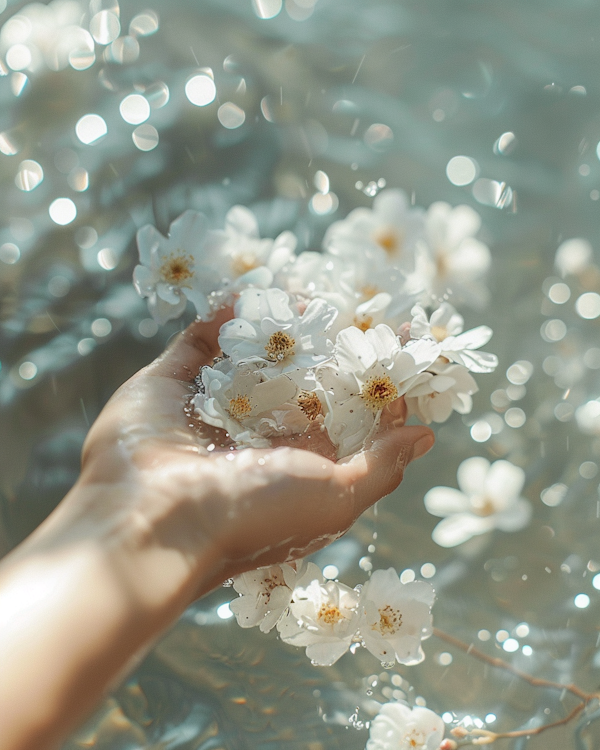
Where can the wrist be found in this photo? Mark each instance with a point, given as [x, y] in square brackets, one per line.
[157, 551]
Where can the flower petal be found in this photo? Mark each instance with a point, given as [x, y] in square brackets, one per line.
[444, 501]
[459, 528]
[471, 475]
[504, 483]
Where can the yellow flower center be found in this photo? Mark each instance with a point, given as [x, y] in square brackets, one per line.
[270, 584]
[390, 240]
[241, 263]
[280, 346]
[176, 269]
[485, 508]
[441, 264]
[368, 291]
[309, 403]
[439, 332]
[416, 739]
[379, 391]
[330, 614]
[240, 407]
[390, 621]
[363, 322]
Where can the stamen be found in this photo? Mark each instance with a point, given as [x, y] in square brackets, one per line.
[390, 621]
[176, 269]
[241, 263]
[240, 407]
[280, 346]
[439, 332]
[378, 392]
[368, 291]
[330, 614]
[390, 240]
[364, 322]
[310, 404]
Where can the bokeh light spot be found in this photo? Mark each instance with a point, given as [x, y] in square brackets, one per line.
[90, 128]
[231, 116]
[145, 137]
[461, 170]
[105, 27]
[201, 90]
[29, 176]
[134, 109]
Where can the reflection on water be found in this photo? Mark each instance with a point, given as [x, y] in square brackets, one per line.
[115, 117]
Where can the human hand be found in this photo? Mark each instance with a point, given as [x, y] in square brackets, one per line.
[251, 507]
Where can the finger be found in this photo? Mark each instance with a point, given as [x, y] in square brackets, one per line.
[198, 345]
[378, 470]
[394, 414]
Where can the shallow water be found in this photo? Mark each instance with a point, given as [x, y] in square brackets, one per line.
[443, 80]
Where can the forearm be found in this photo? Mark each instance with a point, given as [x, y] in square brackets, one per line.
[78, 600]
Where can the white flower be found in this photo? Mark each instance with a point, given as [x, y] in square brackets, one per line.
[269, 332]
[266, 593]
[444, 388]
[445, 326]
[388, 232]
[365, 292]
[372, 370]
[489, 498]
[395, 617]
[173, 270]
[243, 401]
[244, 258]
[397, 727]
[455, 260]
[322, 617]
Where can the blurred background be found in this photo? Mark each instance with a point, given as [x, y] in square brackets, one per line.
[116, 115]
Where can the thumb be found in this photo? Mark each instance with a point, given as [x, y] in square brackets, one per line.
[378, 470]
[191, 349]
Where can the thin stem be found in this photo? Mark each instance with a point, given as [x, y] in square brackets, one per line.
[485, 737]
[494, 661]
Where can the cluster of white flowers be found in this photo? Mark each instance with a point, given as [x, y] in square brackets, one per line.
[329, 338]
[388, 617]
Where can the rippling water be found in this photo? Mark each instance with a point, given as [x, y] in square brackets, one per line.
[364, 92]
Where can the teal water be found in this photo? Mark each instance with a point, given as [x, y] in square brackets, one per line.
[445, 80]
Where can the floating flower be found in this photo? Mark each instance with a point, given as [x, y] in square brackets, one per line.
[446, 326]
[323, 618]
[266, 593]
[388, 232]
[395, 617]
[398, 727]
[173, 270]
[268, 331]
[455, 260]
[489, 498]
[444, 388]
[372, 370]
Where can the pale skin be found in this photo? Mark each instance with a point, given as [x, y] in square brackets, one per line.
[154, 522]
